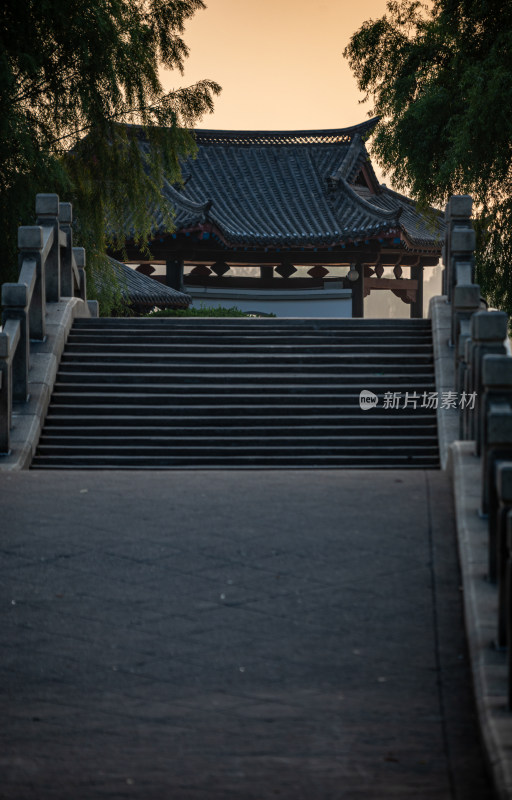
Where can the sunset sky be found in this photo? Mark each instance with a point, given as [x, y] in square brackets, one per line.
[281, 67]
[280, 62]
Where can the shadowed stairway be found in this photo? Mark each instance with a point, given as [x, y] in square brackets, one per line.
[177, 393]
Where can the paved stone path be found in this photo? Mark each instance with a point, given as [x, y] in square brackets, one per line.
[248, 635]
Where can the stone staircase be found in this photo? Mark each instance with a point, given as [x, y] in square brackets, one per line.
[190, 393]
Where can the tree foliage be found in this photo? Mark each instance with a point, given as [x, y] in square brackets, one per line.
[440, 77]
[78, 81]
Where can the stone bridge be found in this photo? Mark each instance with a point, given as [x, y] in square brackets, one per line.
[261, 633]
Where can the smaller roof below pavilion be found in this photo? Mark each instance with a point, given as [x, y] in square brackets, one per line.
[139, 290]
[307, 189]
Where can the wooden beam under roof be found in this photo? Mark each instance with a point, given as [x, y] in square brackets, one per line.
[198, 253]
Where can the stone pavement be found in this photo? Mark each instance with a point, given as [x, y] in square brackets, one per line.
[222, 634]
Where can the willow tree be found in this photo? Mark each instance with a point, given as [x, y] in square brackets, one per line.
[78, 81]
[440, 77]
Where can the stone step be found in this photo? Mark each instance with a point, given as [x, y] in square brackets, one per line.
[251, 324]
[265, 342]
[261, 425]
[218, 323]
[227, 448]
[76, 368]
[226, 340]
[362, 461]
[177, 444]
[233, 360]
[181, 403]
[212, 389]
[350, 413]
[172, 378]
[136, 346]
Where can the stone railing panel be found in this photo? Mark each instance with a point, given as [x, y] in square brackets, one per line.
[50, 269]
[488, 334]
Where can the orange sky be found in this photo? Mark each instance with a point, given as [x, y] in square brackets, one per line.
[280, 62]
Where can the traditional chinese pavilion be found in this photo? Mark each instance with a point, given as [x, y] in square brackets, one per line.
[278, 199]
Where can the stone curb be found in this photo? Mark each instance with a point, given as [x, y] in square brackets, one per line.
[28, 418]
[480, 603]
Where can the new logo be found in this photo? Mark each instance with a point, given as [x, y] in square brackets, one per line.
[367, 399]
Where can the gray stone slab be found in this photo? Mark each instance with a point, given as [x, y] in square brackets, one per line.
[47, 205]
[43, 368]
[459, 206]
[30, 237]
[207, 634]
[94, 308]
[445, 373]
[466, 296]
[25, 428]
[499, 424]
[504, 481]
[464, 274]
[463, 239]
[489, 326]
[497, 370]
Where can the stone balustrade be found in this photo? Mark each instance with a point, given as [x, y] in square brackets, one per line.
[51, 269]
[483, 369]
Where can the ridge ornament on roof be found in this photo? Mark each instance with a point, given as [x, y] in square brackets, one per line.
[260, 138]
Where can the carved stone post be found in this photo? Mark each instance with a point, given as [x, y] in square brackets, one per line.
[30, 243]
[498, 542]
[66, 269]
[15, 299]
[466, 302]
[488, 332]
[457, 216]
[5, 394]
[497, 386]
[79, 256]
[459, 246]
[498, 447]
[508, 603]
[467, 384]
[47, 211]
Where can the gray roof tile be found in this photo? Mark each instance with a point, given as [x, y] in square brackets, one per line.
[275, 188]
[138, 289]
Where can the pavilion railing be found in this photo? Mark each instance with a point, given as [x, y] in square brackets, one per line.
[50, 268]
[483, 373]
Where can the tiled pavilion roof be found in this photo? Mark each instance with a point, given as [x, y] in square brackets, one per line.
[272, 189]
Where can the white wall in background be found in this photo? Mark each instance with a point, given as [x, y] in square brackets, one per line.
[281, 302]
